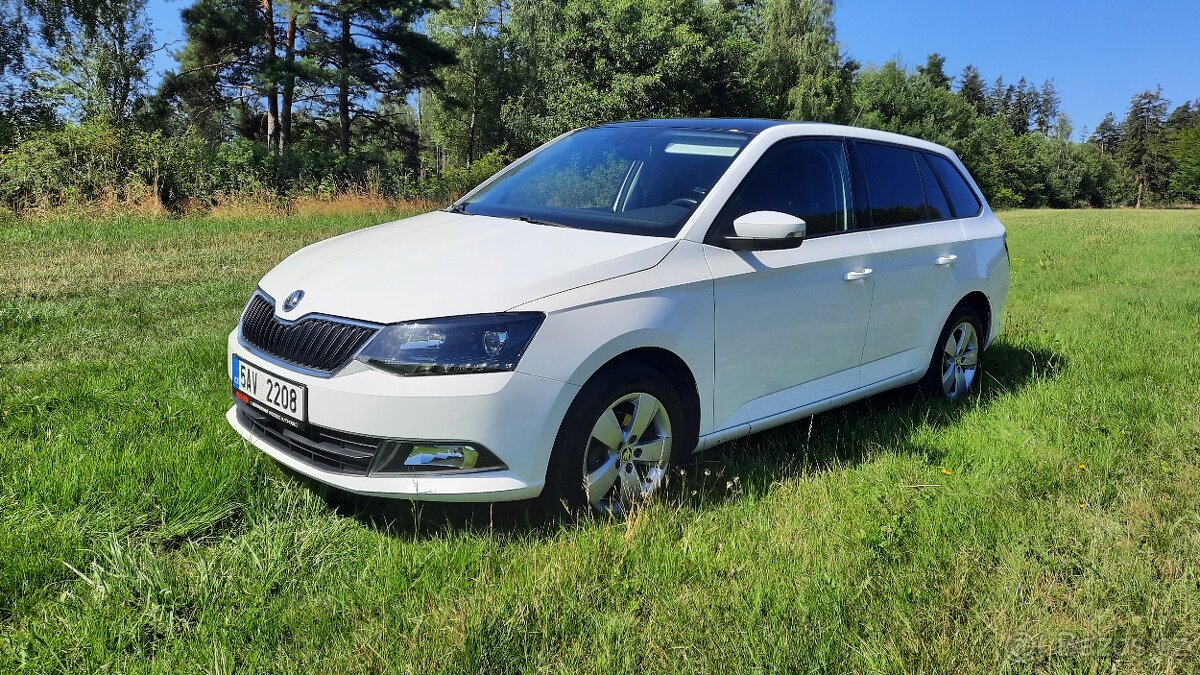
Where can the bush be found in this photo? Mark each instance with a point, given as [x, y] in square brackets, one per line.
[100, 165]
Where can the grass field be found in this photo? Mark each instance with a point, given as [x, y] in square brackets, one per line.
[1050, 524]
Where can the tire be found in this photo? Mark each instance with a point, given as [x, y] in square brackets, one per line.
[956, 362]
[600, 440]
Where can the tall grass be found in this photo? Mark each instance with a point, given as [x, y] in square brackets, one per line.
[1050, 524]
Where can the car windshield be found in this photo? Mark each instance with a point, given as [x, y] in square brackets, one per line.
[634, 180]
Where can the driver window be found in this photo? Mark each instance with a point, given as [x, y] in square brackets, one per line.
[808, 179]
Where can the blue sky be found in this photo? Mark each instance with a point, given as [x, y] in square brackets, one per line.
[1099, 52]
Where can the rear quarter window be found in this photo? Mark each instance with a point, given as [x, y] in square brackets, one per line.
[962, 197]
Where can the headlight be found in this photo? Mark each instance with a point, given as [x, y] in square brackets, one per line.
[481, 343]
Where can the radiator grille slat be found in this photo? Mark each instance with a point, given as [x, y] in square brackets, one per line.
[324, 345]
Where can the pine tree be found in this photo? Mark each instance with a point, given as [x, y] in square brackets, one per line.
[369, 47]
[1185, 116]
[999, 98]
[228, 62]
[1107, 135]
[1143, 147]
[1020, 112]
[934, 70]
[1046, 108]
[972, 88]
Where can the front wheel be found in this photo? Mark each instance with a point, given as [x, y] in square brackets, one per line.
[618, 440]
[955, 365]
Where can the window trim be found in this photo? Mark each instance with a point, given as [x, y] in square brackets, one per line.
[713, 237]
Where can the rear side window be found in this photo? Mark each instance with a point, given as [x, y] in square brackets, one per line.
[893, 184]
[962, 197]
[808, 179]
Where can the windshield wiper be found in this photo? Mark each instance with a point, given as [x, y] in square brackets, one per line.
[458, 208]
[538, 221]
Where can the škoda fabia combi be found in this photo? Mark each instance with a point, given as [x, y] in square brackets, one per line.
[616, 300]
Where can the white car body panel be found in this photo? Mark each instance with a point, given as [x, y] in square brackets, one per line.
[817, 323]
[768, 336]
[910, 289]
[478, 408]
[399, 271]
[669, 307]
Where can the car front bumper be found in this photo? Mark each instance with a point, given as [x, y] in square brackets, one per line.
[515, 416]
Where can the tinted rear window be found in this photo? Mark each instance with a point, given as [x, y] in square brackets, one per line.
[893, 184]
[962, 197]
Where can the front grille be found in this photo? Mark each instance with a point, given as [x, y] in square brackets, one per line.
[323, 345]
[327, 449]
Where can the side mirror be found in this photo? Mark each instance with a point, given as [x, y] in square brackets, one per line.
[766, 231]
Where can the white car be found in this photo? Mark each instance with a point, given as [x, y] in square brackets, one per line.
[616, 300]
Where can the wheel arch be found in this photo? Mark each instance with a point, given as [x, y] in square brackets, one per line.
[675, 369]
[979, 302]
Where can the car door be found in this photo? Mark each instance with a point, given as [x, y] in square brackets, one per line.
[917, 242]
[790, 325]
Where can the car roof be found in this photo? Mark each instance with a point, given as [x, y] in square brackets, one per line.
[747, 125]
[753, 126]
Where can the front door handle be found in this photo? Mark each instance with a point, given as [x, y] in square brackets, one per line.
[855, 275]
[945, 259]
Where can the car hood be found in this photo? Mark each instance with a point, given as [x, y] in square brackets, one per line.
[445, 264]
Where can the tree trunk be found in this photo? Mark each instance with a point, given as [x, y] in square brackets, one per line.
[474, 96]
[1141, 183]
[289, 84]
[272, 86]
[344, 85]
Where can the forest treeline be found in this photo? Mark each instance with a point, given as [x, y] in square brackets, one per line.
[424, 98]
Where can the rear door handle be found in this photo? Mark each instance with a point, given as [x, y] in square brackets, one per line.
[945, 259]
[855, 275]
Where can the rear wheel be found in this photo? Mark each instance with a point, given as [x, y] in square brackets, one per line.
[956, 364]
[618, 440]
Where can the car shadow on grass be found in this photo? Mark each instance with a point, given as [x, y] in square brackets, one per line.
[887, 423]
[840, 438]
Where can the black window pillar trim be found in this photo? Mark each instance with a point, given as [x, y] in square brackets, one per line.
[862, 196]
[945, 193]
[919, 161]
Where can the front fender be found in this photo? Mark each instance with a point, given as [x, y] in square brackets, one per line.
[667, 307]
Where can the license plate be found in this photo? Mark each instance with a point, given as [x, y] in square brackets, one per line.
[282, 399]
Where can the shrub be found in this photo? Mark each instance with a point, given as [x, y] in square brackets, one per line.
[99, 165]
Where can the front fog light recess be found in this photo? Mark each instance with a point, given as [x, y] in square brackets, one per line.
[413, 456]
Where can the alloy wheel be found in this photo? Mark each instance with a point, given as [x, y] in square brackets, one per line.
[627, 453]
[960, 359]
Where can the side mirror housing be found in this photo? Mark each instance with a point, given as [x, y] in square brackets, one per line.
[766, 231]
